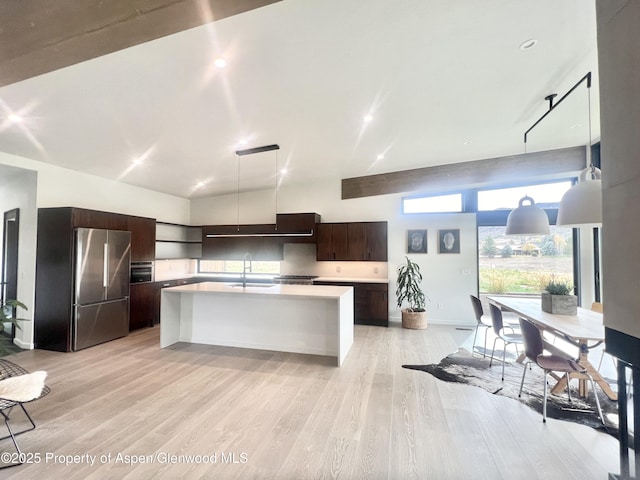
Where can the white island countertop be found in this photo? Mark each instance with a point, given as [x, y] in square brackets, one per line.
[310, 319]
[311, 291]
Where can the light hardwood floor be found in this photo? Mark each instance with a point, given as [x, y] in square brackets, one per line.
[286, 416]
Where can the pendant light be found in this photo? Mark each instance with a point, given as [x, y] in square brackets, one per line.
[527, 219]
[262, 233]
[581, 205]
[252, 151]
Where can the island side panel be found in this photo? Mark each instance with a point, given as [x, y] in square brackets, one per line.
[170, 312]
[299, 325]
[345, 325]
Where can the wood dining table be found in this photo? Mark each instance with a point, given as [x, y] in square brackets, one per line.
[585, 330]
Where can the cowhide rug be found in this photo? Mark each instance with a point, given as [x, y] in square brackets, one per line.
[462, 367]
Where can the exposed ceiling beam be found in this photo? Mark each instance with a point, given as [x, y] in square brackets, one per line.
[476, 174]
[39, 36]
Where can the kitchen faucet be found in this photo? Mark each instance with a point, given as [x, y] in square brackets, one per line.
[247, 256]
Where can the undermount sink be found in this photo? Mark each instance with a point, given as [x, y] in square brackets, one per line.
[262, 285]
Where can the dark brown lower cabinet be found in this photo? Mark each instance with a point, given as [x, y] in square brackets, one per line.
[371, 302]
[142, 299]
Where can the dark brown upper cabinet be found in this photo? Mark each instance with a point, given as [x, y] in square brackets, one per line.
[143, 238]
[355, 242]
[376, 250]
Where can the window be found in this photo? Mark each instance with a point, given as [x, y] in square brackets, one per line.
[521, 264]
[235, 266]
[433, 204]
[546, 195]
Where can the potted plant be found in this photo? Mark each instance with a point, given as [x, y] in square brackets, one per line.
[7, 315]
[558, 298]
[408, 290]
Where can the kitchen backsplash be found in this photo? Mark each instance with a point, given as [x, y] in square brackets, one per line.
[167, 269]
[300, 259]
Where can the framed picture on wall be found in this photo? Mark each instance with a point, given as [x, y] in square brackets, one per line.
[449, 241]
[416, 241]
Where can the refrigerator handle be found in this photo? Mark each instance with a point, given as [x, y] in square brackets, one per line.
[105, 269]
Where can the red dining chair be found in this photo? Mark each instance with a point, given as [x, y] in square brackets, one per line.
[534, 351]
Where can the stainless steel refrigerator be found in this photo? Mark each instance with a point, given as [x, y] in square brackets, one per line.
[101, 303]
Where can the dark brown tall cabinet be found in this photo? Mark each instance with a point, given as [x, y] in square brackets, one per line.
[143, 249]
[53, 312]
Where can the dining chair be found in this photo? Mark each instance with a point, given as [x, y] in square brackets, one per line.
[499, 330]
[534, 351]
[482, 322]
[17, 387]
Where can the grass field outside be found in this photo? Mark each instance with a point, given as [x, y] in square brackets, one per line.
[523, 274]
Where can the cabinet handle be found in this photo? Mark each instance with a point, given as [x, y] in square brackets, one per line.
[166, 284]
[105, 265]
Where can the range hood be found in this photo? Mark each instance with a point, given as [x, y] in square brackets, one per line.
[265, 234]
[295, 225]
[260, 234]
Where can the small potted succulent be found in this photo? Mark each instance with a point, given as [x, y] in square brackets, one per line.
[409, 290]
[558, 297]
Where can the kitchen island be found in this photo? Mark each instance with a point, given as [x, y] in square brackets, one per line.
[309, 319]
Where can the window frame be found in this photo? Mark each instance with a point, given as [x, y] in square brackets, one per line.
[429, 196]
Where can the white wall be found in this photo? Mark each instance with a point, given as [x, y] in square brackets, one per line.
[18, 190]
[448, 279]
[618, 44]
[61, 187]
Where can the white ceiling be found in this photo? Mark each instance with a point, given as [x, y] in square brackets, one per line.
[445, 81]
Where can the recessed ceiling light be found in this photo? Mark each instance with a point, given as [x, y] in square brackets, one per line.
[380, 156]
[527, 44]
[368, 118]
[283, 171]
[138, 161]
[200, 184]
[13, 118]
[220, 62]
[468, 142]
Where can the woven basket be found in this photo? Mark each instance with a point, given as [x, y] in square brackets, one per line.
[414, 320]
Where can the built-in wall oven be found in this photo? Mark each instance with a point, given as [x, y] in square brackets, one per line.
[141, 272]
